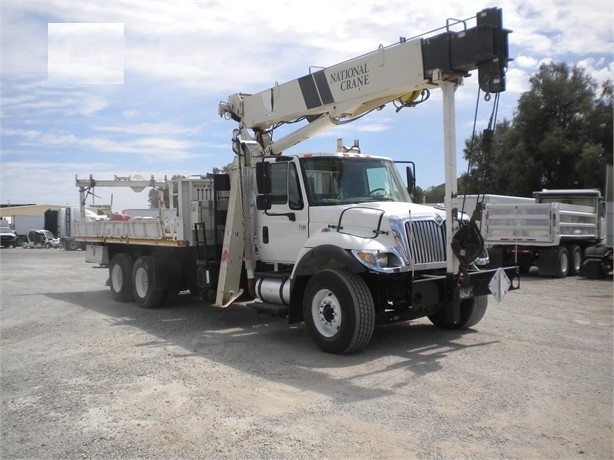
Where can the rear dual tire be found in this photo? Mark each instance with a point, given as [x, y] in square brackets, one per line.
[130, 280]
[575, 260]
[120, 277]
[144, 293]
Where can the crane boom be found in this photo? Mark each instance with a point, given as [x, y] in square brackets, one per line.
[353, 87]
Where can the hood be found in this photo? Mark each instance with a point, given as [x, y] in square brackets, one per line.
[331, 214]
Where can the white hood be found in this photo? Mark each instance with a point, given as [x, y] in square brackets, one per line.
[330, 214]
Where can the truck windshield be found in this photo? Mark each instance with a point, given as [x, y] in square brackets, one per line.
[341, 180]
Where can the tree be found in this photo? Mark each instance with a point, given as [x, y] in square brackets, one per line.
[418, 194]
[435, 194]
[560, 137]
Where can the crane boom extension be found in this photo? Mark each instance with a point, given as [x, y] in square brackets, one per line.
[354, 87]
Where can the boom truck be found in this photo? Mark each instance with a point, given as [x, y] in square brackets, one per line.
[331, 239]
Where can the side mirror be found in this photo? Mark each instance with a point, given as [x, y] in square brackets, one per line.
[410, 175]
[263, 202]
[411, 178]
[263, 179]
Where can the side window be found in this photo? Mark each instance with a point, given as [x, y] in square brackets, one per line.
[295, 198]
[279, 182]
[285, 186]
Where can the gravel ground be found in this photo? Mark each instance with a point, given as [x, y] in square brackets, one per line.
[85, 377]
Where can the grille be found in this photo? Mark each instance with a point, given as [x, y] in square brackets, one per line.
[427, 245]
[427, 241]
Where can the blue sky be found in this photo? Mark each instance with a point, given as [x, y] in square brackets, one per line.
[137, 92]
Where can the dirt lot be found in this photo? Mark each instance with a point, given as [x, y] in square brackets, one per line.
[85, 377]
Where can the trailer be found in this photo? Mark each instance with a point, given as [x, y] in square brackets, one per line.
[551, 233]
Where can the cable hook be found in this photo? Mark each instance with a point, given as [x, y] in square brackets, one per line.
[486, 85]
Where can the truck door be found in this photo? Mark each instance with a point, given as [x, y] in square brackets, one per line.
[282, 230]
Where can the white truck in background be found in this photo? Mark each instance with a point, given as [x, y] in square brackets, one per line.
[60, 222]
[551, 232]
[468, 203]
[64, 228]
[330, 239]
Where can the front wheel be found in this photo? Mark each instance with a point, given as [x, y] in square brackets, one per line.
[338, 310]
[471, 313]
[143, 284]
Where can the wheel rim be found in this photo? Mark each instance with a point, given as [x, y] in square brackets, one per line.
[577, 260]
[326, 313]
[117, 278]
[141, 282]
[564, 265]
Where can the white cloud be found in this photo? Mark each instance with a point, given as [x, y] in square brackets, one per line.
[600, 70]
[85, 53]
[162, 128]
[130, 113]
[525, 62]
[150, 147]
[24, 133]
[517, 80]
[27, 100]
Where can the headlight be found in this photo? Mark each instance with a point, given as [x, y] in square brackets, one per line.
[378, 260]
[366, 258]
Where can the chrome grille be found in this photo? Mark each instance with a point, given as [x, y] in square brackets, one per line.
[427, 241]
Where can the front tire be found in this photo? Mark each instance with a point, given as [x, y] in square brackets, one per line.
[472, 312]
[338, 310]
[143, 284]
[120, 277]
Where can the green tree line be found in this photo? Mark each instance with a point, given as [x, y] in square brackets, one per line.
[560, 137]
